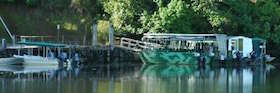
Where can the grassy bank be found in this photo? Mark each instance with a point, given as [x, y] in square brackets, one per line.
[25, 21]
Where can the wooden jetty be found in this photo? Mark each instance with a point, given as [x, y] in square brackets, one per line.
[92, 52]
[88, 54]
[129, 50]
[165, 47]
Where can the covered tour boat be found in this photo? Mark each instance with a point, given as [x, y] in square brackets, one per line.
[202, 49]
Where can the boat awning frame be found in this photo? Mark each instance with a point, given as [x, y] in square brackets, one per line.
[191, 37]
[42, 44]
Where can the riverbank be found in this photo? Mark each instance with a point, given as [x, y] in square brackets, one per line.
[26, 21]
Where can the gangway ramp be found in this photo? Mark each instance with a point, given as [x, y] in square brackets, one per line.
[136, 45]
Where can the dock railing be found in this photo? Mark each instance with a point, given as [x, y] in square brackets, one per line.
[8, 31]
[50, 39]
[137, 45]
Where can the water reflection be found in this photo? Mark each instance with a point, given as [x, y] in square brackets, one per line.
[193, 79]
[134, 79]
[27, 69]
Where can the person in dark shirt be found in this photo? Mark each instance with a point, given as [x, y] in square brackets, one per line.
[238, 56]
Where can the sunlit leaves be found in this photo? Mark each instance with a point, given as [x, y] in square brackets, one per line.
[124, 14]
[173, 18]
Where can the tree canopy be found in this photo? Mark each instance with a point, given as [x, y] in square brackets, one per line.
[253, 18]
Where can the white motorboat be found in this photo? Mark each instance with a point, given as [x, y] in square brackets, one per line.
[11, 61]
[37, 60]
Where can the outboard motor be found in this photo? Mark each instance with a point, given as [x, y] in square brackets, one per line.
[76, 58]
[253, 56]
[51, 55]
[238, 56]
[63, 57]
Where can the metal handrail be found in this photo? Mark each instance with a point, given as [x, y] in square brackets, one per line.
[8, 31]
[137, 45]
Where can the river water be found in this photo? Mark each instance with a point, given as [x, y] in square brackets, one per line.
[139, 78]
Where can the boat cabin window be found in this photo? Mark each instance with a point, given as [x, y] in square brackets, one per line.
[233, 45]
[237, 44]
[201, 44]
[240, 44]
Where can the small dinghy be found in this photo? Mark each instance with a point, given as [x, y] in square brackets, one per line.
[11, 61]
[37, 60]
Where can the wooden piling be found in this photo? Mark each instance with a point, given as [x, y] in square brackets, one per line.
[94, 35]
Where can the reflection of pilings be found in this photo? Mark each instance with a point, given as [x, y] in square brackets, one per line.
[95, 85]
[111, 85]
[3, 86]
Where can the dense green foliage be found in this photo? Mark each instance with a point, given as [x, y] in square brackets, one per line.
[238, 17]
[174, 17]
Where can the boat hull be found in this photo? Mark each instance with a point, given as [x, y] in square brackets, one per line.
[38, 60]
[11, 61]
[155, 56]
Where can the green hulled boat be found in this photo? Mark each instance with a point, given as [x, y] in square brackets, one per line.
[159, 56]
[182, 48]
[201, 48]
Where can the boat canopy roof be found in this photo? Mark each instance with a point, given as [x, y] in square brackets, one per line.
[35, 36]
[220, 39]
[195, 37]
[259, 39]
[43, 44]
[22, 47]
[254, 39]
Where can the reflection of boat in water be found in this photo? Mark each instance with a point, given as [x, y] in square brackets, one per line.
[170, 70]
[193, 79]
[27, 69]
